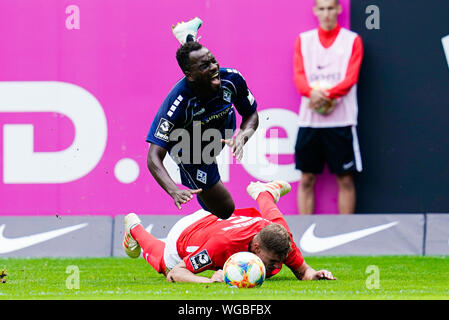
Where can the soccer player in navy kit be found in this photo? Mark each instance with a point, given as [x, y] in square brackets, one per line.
[202, 100]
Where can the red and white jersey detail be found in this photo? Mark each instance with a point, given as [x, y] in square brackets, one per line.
[330, 65]
[209, 242]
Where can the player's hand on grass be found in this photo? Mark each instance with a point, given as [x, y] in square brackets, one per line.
[324, 275]
[183, 196]
[218, 276]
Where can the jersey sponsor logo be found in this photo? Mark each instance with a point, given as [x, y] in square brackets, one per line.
[13, 244]
[311, 243]
[333, 78]
[201, 176]
[163, 130]
[218, 116]
[200, 260]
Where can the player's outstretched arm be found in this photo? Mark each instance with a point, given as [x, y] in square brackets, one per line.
[180, 273]
[156, 155]
[305, 272]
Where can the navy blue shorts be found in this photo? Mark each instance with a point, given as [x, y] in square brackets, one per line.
[199, 176]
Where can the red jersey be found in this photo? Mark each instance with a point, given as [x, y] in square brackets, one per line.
[209, 242]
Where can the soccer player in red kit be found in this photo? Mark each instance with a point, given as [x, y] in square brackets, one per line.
[202, 241]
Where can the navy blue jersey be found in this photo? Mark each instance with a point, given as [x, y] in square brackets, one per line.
[181, 109]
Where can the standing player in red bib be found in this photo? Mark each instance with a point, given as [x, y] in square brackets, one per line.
[201, 241]
[326, 68]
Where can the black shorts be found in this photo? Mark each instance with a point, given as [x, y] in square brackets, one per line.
[338, 147]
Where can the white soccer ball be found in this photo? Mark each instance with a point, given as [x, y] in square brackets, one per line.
[244, 270]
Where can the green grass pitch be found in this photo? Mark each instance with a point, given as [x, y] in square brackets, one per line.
[399, 277]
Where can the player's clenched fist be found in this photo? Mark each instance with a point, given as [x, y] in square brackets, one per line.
[183, 196]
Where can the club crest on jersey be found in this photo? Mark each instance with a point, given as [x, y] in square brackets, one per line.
[227, 95]
[163, 130]
[201, 176]
[200, 260]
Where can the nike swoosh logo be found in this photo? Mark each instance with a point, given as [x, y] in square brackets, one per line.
[348, 165]
[13, 244]
[321, 67]
[313, 244]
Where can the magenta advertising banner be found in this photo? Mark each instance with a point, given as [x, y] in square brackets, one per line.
[81, 81]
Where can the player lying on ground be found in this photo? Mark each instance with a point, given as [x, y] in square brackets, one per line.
[201, 241]
[200, 102]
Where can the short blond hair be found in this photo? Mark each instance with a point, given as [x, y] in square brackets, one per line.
[276, 239]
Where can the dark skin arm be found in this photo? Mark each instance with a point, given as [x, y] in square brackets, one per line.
[247, 129]
[156, 155]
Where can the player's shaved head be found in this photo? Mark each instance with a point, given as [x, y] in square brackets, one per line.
[183, 54]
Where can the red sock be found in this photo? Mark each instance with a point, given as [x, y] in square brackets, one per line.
[153, 248]
[267, 207]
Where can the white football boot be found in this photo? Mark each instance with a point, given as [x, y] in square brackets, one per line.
[183, 29]
[132, 248]
[276, 188]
